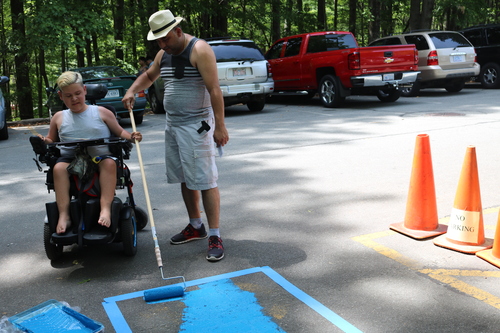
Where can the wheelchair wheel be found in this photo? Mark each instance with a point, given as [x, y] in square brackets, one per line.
[53, 251]
[129, 233]
[141, 217]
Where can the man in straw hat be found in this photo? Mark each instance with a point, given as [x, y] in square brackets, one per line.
[195, 119]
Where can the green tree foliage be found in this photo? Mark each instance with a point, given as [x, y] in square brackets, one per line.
[51, 36]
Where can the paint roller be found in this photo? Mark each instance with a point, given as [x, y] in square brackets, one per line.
[157, 294]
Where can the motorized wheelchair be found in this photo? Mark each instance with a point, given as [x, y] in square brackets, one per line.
[126, 217]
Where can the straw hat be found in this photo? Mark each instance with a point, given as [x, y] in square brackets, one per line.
[161, 23]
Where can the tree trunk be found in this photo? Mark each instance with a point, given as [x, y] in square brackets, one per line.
[386, 24]
[80, 54]
[96, 49]
[149, 7]
[426, 14]
[276, 17]
[88, 52]
[63, 59]
[321, 15]
[335, 14]
[374, 25]
[23, 86]
[415, 15]
[352, 16]
[43, 70]
[119, 25]
[221, 20]
[300, 18]
[5, 70]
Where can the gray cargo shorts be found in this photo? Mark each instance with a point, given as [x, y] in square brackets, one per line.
[190, 156]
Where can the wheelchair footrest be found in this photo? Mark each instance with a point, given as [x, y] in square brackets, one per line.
[68, 238]
[100, 235]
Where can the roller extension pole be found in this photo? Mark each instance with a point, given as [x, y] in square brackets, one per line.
[175, 292]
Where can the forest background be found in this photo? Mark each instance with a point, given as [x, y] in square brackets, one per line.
[39, 39]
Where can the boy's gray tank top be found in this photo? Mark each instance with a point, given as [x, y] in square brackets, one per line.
[186, 99]
[86, 125]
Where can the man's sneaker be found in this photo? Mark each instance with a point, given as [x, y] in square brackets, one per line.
[215, 249]
[189, 234]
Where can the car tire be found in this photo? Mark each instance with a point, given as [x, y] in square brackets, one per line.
[4, 132]
[489, 76]
[155, 104]
[455, 86]
[257, 104]
[138, 119]
[411, 91]
[329, 92]
[388, 96]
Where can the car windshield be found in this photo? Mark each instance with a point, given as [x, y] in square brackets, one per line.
[448, 40]
[93, 73]
[237, 51]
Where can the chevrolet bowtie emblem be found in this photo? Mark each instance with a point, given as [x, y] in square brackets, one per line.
[388, 60]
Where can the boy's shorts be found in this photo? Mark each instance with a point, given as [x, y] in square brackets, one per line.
[190, 156]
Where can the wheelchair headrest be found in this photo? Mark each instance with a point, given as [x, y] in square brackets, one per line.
[96, 91]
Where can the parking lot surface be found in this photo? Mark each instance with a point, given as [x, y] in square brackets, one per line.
[307, 197]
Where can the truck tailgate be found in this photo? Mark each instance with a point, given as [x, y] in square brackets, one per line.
[382, 59]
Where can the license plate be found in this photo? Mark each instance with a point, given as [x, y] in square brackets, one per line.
[112, 93]
[239, 71]
[458, 58]
[388, 77]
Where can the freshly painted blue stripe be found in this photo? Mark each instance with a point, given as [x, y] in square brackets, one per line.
[226, 308]
[116, 317]
[311, 302]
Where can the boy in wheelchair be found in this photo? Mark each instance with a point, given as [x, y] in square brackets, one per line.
[83, 122]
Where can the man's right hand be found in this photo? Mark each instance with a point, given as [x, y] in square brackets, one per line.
[128, 101]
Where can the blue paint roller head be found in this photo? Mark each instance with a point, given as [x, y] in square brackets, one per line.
[163, 293]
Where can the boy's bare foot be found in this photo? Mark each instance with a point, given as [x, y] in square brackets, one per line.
[105, 219]
[62, 226]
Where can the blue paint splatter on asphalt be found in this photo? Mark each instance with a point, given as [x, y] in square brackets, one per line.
[221, 306]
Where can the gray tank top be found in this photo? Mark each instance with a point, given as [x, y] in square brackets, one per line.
[186, 98]
[86, 125]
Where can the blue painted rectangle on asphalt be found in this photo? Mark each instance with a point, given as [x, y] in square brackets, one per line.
[217, 302]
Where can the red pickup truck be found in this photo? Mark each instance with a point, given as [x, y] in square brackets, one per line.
[332, 64]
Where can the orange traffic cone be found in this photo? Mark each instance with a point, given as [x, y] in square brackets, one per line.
[465, 229]
[421, 219]
[493, 255]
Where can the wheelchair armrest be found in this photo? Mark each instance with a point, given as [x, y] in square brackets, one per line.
[39, 147]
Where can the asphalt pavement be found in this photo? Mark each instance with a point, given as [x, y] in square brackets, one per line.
[307, 197]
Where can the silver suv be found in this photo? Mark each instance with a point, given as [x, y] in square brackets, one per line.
[244, 75]
[446, 59]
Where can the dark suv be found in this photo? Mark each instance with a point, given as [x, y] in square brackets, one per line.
[244, 75]
[486, 40]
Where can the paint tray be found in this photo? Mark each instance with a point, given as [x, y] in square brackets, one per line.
[54, 317]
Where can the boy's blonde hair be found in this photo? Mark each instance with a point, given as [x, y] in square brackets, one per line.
[67, 78]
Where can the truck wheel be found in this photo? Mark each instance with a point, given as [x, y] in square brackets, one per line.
[329, 92]
[411, 91]
[390, 95]
[156, 105]
[455, 86]
[489, 76]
